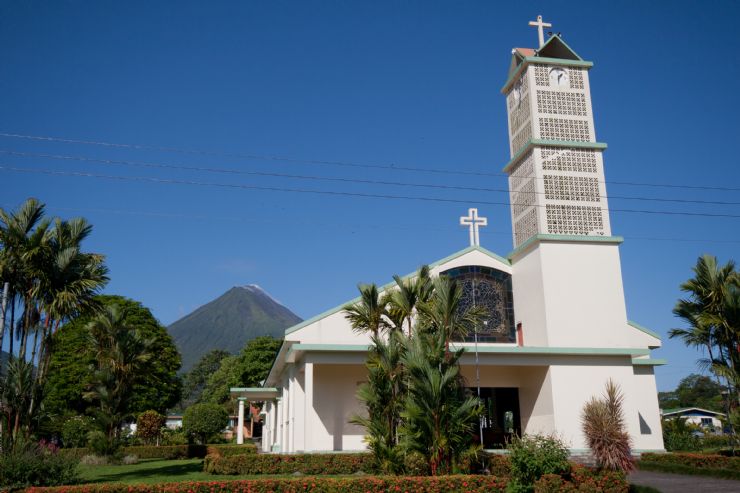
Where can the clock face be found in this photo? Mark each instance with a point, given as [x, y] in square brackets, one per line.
[516, 94]
[558, 77]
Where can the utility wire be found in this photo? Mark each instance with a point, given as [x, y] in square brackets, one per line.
[140, 164]
[405, 227]
[325, 192]
[393, 167]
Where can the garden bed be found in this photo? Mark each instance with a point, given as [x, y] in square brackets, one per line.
[714, 465]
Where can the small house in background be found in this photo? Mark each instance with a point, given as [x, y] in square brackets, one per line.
[696, 416]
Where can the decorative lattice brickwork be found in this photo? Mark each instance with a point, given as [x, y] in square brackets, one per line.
[541, 76]
[526, 227]
[576, 78]
[524, 198]
[569, 159]
[562, 103]
[523, 172]
[574, 220]
[519, 114]
[521, 138]
[578, 188]
[562, 129]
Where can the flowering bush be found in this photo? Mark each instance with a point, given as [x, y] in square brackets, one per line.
[583, 480]
[36, 464]
[370, 484]
[289, 463]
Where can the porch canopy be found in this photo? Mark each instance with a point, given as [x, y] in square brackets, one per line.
[250, 394]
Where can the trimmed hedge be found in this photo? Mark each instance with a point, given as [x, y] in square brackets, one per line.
[712, 465]
[251, 464]
[698, 461]
[148, 452]
[231, 450]
[370, 484]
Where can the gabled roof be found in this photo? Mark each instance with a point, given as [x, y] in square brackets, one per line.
[455, 255]
[555, 47]
[555, 51]
[687, 410]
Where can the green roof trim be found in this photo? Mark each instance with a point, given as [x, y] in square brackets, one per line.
[649, 362]
[552, 143]
[616, 240]
[543, 61]
[492, 349]
[449, 258]
[643, 329]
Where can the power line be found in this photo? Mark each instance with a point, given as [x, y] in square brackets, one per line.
[325, 192]
[364, 225]
[392, 167]
[157, 165]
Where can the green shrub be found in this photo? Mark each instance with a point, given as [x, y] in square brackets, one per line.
[36, 465]
[229, 450]
[289, 463]
[415, 464]
[149, 452]
[204, 420]
[533, 456]
[174, 437]
[101, 444]
[364, 484]
[678, 435]
[75, 430]
[495, 464]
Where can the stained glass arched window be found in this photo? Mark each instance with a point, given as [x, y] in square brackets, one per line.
[490, 289]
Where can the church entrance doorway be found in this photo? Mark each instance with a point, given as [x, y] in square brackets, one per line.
[501, 419]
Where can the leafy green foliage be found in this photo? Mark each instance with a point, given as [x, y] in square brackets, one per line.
[51, 280]
[678, 435]
[36, 465]
[712, 313]
[204, 420]
[605, 430]
[533, 456]
[75, 430]
[155, 385]
[694, 391]
[195, 380]
[149, 426]
[247, 369]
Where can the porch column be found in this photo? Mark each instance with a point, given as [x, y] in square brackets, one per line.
[240, 423]
[308, 444]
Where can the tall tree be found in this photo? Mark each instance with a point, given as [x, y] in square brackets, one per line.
[712, 313]
[156, 386]
[51, 279]
[247, 369]
[196, 379]
[120, 354]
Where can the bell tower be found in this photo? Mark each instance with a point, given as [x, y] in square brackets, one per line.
[556, 171]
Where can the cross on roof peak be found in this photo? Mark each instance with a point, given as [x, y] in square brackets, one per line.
[473, 222]
[540, 32]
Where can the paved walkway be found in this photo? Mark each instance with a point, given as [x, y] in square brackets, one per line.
[679, 483]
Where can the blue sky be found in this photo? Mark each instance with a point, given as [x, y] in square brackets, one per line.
[402, 83]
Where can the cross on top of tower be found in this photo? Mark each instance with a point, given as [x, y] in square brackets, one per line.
[540, 32]
[473, 222]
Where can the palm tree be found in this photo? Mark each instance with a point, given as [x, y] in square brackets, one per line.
[120, 353]
[408, 295]
[439, 419]
[369, 314]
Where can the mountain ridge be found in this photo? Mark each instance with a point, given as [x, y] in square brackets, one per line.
[229, 322]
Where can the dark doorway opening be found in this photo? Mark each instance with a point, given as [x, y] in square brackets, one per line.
[500, 420]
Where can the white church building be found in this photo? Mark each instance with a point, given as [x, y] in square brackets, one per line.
[558, 327]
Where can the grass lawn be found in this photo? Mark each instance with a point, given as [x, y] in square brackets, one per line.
[157, 471]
